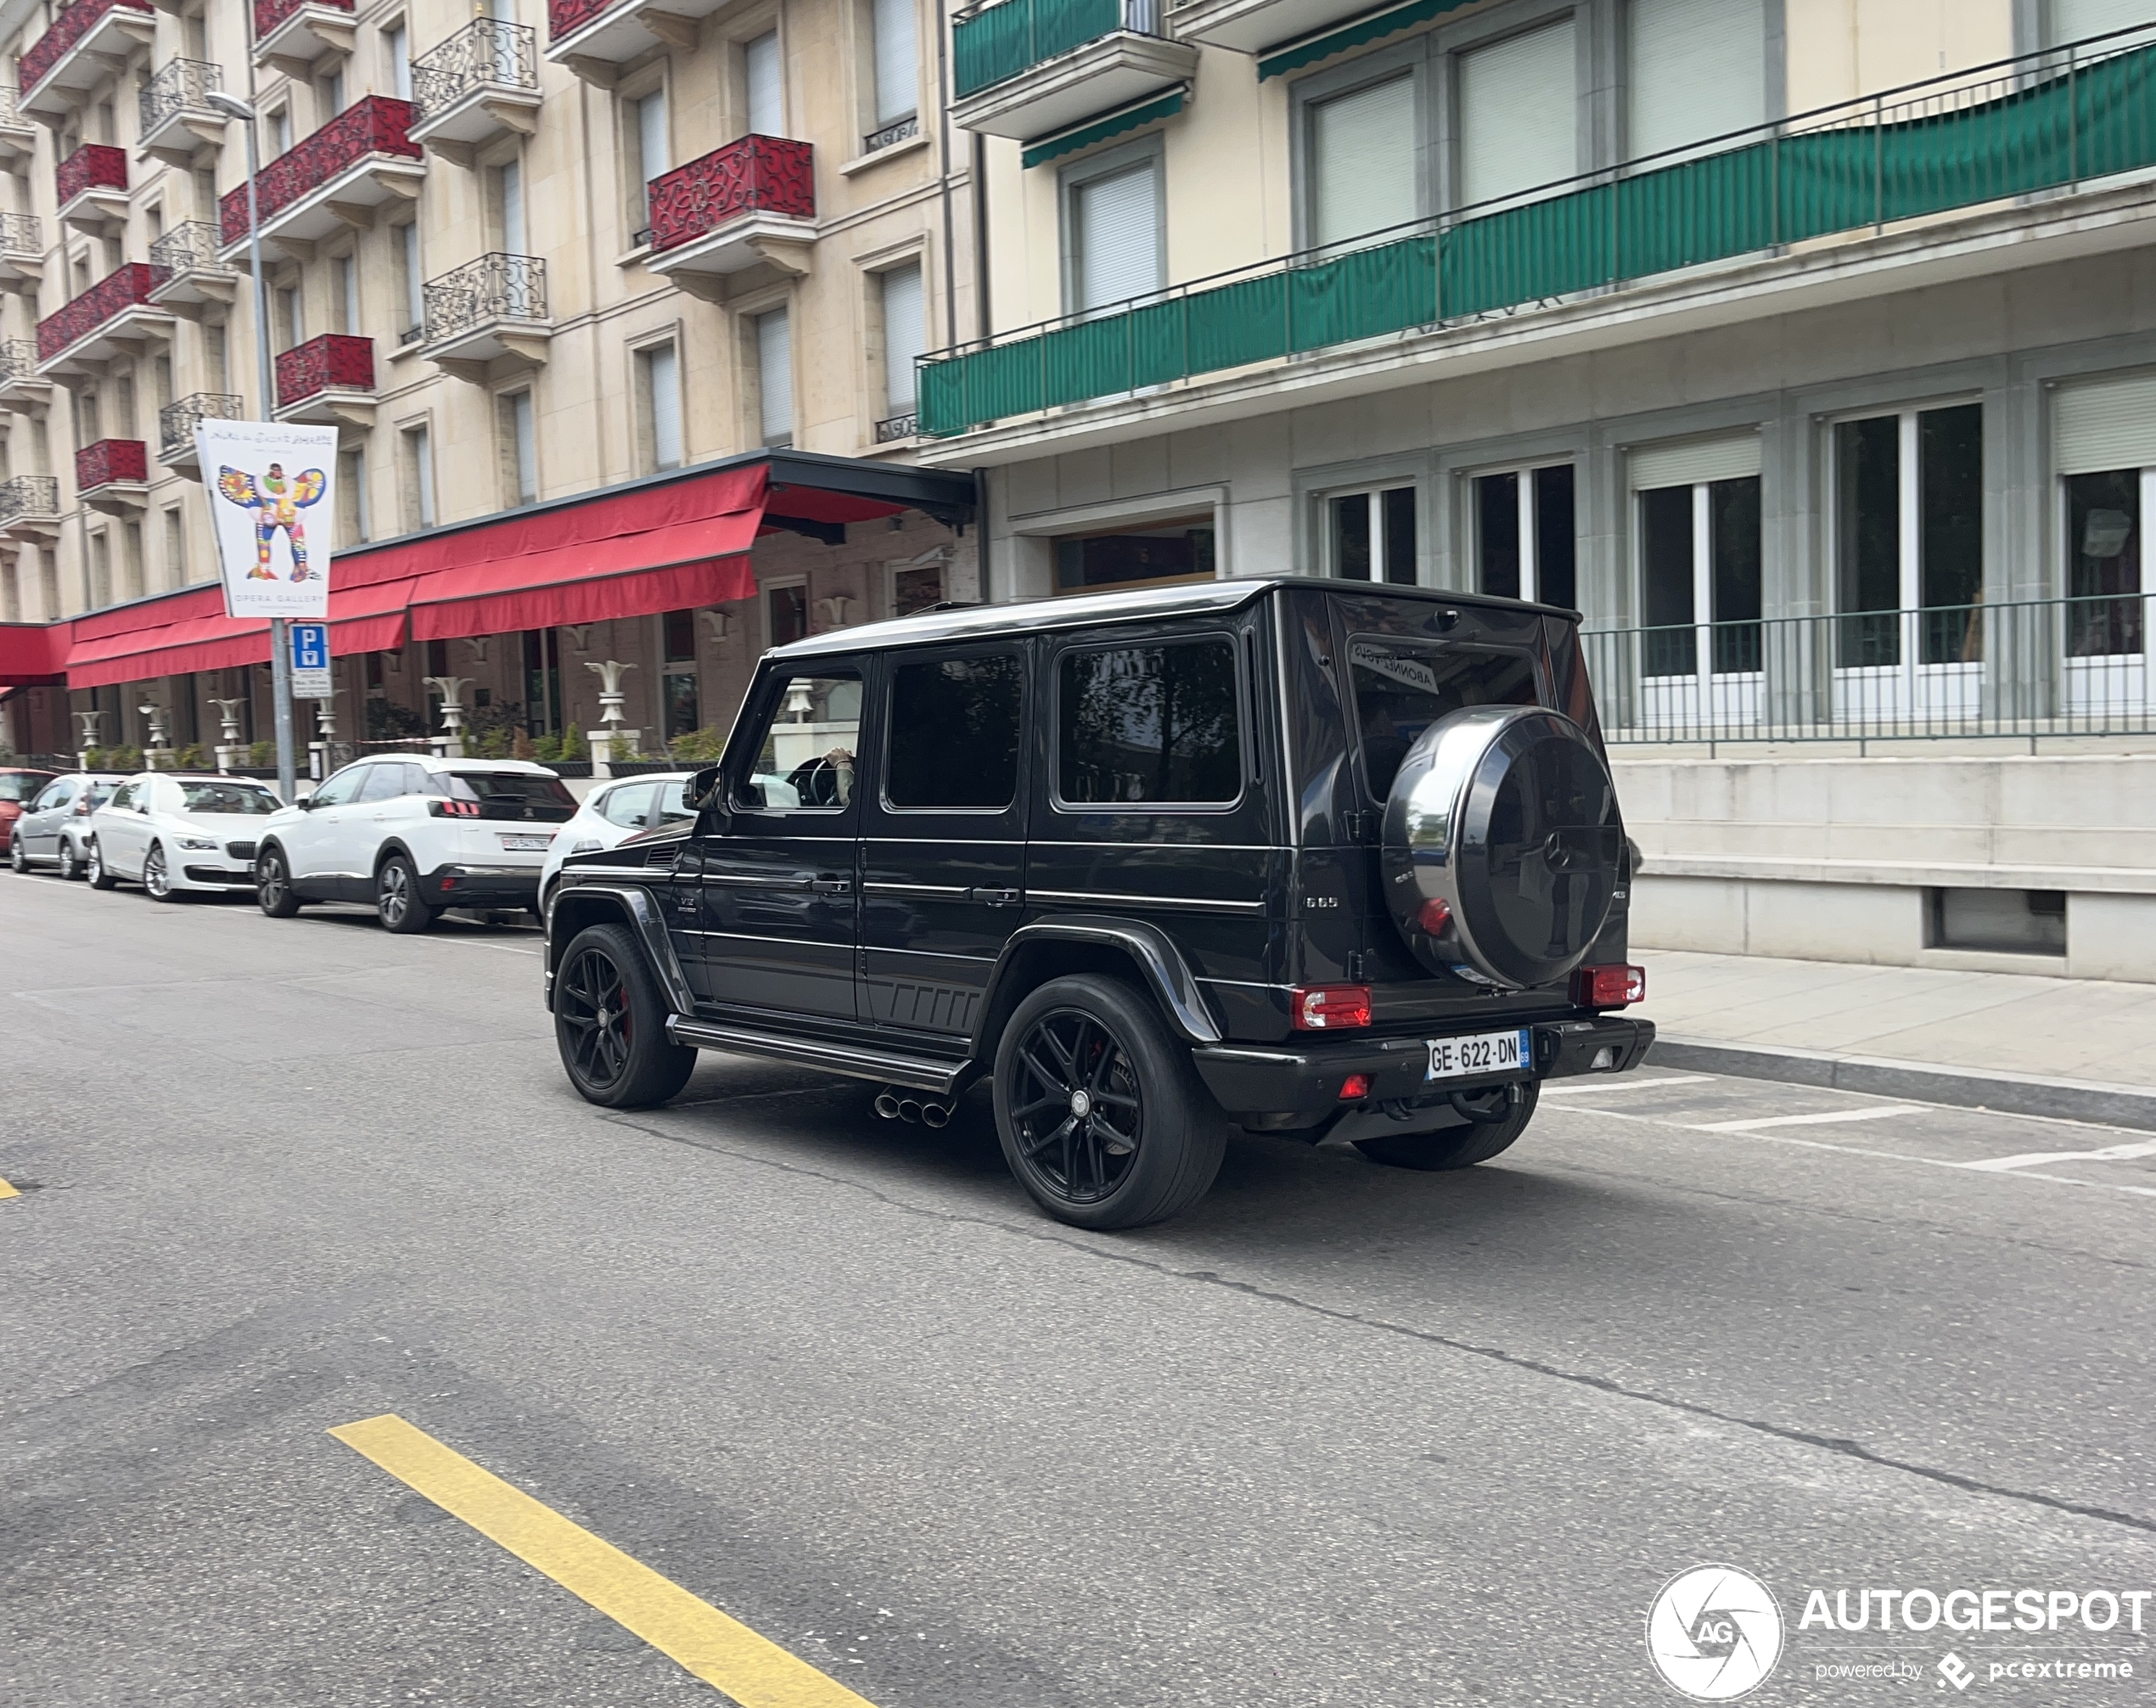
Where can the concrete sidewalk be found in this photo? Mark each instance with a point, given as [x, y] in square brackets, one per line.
[2079, 1048]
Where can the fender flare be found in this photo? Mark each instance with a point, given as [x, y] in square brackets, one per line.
[1167, 975]
[634, 909]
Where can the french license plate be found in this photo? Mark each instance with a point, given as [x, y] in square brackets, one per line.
[526, 845]
[1483, 1053]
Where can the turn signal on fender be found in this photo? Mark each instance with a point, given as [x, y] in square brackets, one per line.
[1609, 988]
[1329, 1008]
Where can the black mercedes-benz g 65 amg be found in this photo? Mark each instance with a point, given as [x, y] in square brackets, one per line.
[1307, 857]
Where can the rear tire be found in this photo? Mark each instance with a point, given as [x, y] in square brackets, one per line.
[1454, 1146]
[273, 885]
[99, 873]
[610, 1024]
[18, 856]
[1101, 1117]
[397, 899]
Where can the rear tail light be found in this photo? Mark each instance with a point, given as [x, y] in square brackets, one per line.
[1329, 1008]
[1355, 1087]
[1609, 988]
[439, 808]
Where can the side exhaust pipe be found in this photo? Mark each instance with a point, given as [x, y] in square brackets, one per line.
[896, 1102]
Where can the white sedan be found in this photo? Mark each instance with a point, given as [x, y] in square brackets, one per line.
[178, 834]
[611, 814]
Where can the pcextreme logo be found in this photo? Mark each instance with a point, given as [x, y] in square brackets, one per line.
[1715, 1632]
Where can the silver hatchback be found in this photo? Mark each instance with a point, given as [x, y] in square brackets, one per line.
[54, 828]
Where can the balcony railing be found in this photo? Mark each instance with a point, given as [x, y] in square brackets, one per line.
[29, 494]
[126, 286]
[191, 246]
[487, 50]
[992, 44]
[110, 461]
[17, 361]
[21, 235]
[2019, 128]
[493, 288]
[2066, 666]
[897, 427]
[335, 361]
[179, 87]
[269, 14]
[93, 165]
[70, 26]
[757, 174]
[373, 125]
[11, 113]
[898, 130]
[176, 420]
[567, 17]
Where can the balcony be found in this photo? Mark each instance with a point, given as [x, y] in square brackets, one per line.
[595, 40]
[291, 35]
[753, 200]
[491, 307]
[113, 317]
[1601, 261]
[329, 379]
[30, 506]
[482, 83]
[177, 121]
[22, 252]
[338, 178]
[113, 474]
[91, 188]
[1025, 68]
[1251, 26]
[22, 388]
[186, 274]
[176, 425]
[79, 52]
[18, 136]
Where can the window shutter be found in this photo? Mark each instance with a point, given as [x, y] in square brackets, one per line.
[1698, 69]
[898, 69]
[766, 92]
[662, 375]
[775, 376]
[1362, 161]
[1519, 120]
[905, 335]
[2104, 424]
[1118, 237]
[512, 208]
[2071, 21]
[1692, 462]
[651, 134]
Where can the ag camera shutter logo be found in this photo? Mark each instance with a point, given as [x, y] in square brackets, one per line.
[1714, 1633]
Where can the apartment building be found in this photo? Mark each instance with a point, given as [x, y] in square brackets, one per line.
[615, 308]
[1807, 347]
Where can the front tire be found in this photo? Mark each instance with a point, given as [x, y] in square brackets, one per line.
[397, 899]
[99, 873]
[1454, 1146]
[157, 875]
[610, 1024]
[18, 856]
[69, 864]
[1101, 1115]
[273, 892]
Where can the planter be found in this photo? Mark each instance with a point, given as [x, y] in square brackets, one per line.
[641, 767]
[568, 767]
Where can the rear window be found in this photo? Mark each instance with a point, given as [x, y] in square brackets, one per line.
[509, 794]
[235, 798]
[1401, 690]
[1149, 725]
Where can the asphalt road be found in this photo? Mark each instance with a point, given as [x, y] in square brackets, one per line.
[1344, 1435]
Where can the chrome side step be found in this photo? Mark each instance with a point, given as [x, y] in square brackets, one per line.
[916, 1073]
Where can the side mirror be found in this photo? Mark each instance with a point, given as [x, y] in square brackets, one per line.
[702, 788]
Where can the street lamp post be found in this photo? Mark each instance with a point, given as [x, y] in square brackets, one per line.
[288, 769]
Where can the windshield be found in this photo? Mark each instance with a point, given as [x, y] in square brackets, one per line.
[509, 794]
[239, 800]
[1403, 688]
[22, 785]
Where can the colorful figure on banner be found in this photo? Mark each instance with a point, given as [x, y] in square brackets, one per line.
[277, 504]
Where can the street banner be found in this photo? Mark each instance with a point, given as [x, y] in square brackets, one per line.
[311, 662]
[273, 494]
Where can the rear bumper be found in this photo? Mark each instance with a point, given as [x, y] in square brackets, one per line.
[468, 884]
[1302, 1081]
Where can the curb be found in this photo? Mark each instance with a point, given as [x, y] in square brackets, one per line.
[1998, 1088]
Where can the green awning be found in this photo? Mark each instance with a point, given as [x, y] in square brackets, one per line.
[1361, 33]
[1101, 129]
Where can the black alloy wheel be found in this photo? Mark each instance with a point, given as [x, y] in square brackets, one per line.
[157, 876]
[396, 898]
[71, 867]
[273, 885]
[99, 875]
[1076, 1108]
[610, 1024]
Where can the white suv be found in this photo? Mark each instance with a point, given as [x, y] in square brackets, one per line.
[413, 834]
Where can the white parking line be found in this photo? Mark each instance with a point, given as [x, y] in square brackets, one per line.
[1825, 1118]
[2110, 1153]
[1574, 1090]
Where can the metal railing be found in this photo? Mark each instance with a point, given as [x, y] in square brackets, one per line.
[191, 246]
[494, 288]
[11, 113]
[176, 420]
[488, 51]
[371, 124]
[22, 233]
[179, 87]
[332, 361]
[126, 286]
[2066, 666]
[91, 166]
[18, 360]
[2015, 128]
[71, 23]
[29, 494]
[993, 44]
[898, 130]
[897, 427]
[752, 174]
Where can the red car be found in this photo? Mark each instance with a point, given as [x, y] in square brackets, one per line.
[19, 787]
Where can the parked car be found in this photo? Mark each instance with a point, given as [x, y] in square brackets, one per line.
[413, 836]
[19, 787]
[175, 835]
[54, 828]
[1328, 861]
[612, 813]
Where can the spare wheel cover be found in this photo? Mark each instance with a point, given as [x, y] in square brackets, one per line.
[1507, 815]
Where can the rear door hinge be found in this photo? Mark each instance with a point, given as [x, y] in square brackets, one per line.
[1357, 967]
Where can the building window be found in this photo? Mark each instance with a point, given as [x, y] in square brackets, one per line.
[2076, 20]
[775, 378]
[677, 632]
[904, 319]
[764, 74]
[517, 439]
[346, 273]
[414, 306]
[1526, 535]
[786, 614]
[130, 547]
[1362, 154]
[659, 407]
[175, 547]
[100, 569]
[1696, 68]
[419, 481]
[1698, 542]
[1141, 554]
[1909, 536]
[329, 97]
[898, 61]
[1370, 536]
[397, 45]
[280, 131]
[291, 322]
[649, 155]
[2108, 561]
[351, 495]
[506, 184]
[1112, 240]
[1518, 117]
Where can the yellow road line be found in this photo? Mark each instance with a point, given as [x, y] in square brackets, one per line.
[8, 1191]
[754, 1671]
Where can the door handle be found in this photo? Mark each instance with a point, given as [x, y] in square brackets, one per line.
[995, 898]
[831, 886]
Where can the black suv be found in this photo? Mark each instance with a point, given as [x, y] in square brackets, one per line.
[1305, 857]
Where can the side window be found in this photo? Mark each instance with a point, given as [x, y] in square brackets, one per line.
[59, 794]
[123, 798]
[954, 734]
[384, 783]
[342, 787]
[628, 806]
[1157, 724]
[805, 761]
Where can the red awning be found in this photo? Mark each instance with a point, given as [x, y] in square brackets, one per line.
[32, 653]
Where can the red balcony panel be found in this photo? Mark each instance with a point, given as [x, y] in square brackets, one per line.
[757, 174]
[567, 17]
[109, 460]
[377, 125]
[332, 362]
[70, 26]
[94, 166]
[126, 286]
[269, 14]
